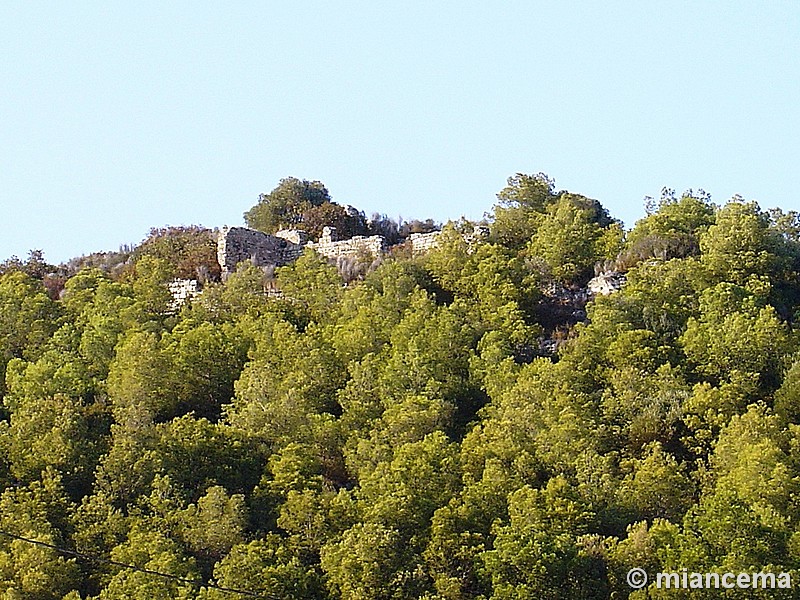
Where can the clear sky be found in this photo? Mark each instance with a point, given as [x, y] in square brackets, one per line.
[120, 116]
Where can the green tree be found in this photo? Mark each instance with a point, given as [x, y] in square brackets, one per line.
[722, 533]
[316, 517]
[29, 570]
[540, 553]
[787, 397]
[381, 557]
[192, 251]
[750, 460]
[736, 333]
[462, 530]
[285, 206]
[663, 295]
[741, 244]
[405, 491]
[126, 471]
[312, 285]
[642, 406]
[206, 360]
[219, 455]
[371, 563]
[348, 222]
[213, 525]
[28, 317]
[54, 420]
[98, 527]
[243, 296]
[55, 432]
[291, 377]
[543, 420]
[370, 311]
[499, 288]
[154, 552]
[266, 567]
[102, 323]
[520, 208]
[566, 238]
[141, 382]
[408, 420]
[655, 487]
[673, 231]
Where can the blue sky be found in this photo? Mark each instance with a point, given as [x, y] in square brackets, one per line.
[120, 116]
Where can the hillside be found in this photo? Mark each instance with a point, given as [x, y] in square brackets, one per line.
[466, 418]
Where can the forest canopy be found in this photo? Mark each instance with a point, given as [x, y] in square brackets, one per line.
[464, 423]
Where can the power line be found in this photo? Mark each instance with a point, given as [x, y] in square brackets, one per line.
[94, 558]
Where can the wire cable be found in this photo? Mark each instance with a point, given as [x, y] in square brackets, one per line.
[195, 582]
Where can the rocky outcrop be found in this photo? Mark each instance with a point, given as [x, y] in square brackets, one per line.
[606, 283]
[561, 308]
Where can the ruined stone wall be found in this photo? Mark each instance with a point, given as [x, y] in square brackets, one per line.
[182, 291]
[237, 244]
[330, 247]
[296, 236]
[353, 247]
[422, 242]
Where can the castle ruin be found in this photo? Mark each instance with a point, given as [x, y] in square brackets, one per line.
[237, 244]
[332, 247]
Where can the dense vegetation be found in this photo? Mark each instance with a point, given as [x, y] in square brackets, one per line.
[404, 436]
[307, 205]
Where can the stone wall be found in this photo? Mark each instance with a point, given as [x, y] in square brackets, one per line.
[296, 236]
[331, 247]
[182, 291]
[237, 244]
[422, 242]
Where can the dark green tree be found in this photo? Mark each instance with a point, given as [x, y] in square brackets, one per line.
[520, 208]
[346, 220]
[284, 207]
